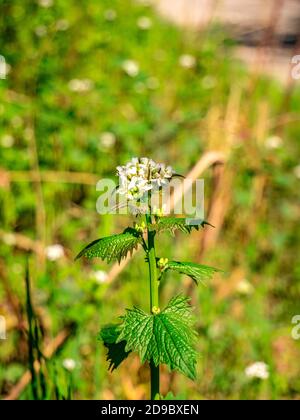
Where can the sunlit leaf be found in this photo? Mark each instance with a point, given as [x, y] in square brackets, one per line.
[172, 224]
[167, 337]
[113, 247]
[197, 272]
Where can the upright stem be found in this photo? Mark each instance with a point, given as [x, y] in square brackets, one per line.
[154, 301]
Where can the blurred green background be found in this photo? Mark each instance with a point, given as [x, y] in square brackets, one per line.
[88, 86]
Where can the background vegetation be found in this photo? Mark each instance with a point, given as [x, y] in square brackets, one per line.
[91, 85]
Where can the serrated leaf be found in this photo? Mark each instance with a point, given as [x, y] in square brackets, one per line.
[167, 337]
[197, 272]
[112, 247]
[172, 224]
[116, 351]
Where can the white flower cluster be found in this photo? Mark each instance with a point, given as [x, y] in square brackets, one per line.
[55, 252]
[69, 364]
[81, 85]
[141, 175]
[259, 370]
[131, 68]
[4, 67]
[99, 276]
[187, 61]
[45, 3]
[144, 23]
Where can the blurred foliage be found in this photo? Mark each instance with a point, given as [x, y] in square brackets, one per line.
[89, 86]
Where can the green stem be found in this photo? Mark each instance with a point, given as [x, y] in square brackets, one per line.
[154, 301]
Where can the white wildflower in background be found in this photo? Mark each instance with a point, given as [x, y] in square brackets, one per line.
[100, 276]
[274, 142]
[131, 68]
[41, 31]
[62, 25]
[45, 3]
[4, 69]
[297, 172]
[259, 370]
[80, 85]
[144, 23]
[55, 252]
[110, 15]
[244, 287]
[187, 61]
[141, 175]
[7, 141]
[9, 239]
[69, 364]
[107, 139]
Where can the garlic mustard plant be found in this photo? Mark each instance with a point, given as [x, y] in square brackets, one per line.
[164, 335]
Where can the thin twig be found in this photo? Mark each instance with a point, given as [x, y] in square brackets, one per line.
[54, 176]
[23, 242]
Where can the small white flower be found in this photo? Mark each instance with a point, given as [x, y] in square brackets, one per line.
[274, 142]
[9, 239]
[131, 68]
[4, 68]
[297, 172]
[80, 85]
[40, 31]
[69, 364]
[136, 188]
[244, 287]
[107, 139]
[55, 252]
[45, 3]
[99, 276]
[7, 141]
[259, 370]
[187, 61]
[62, 25]
[144, 23]
[110, 15]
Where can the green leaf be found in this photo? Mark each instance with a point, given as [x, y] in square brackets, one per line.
[116, 351]
[113, 247]
[197, 272]
[167, 337]
[172, 224]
